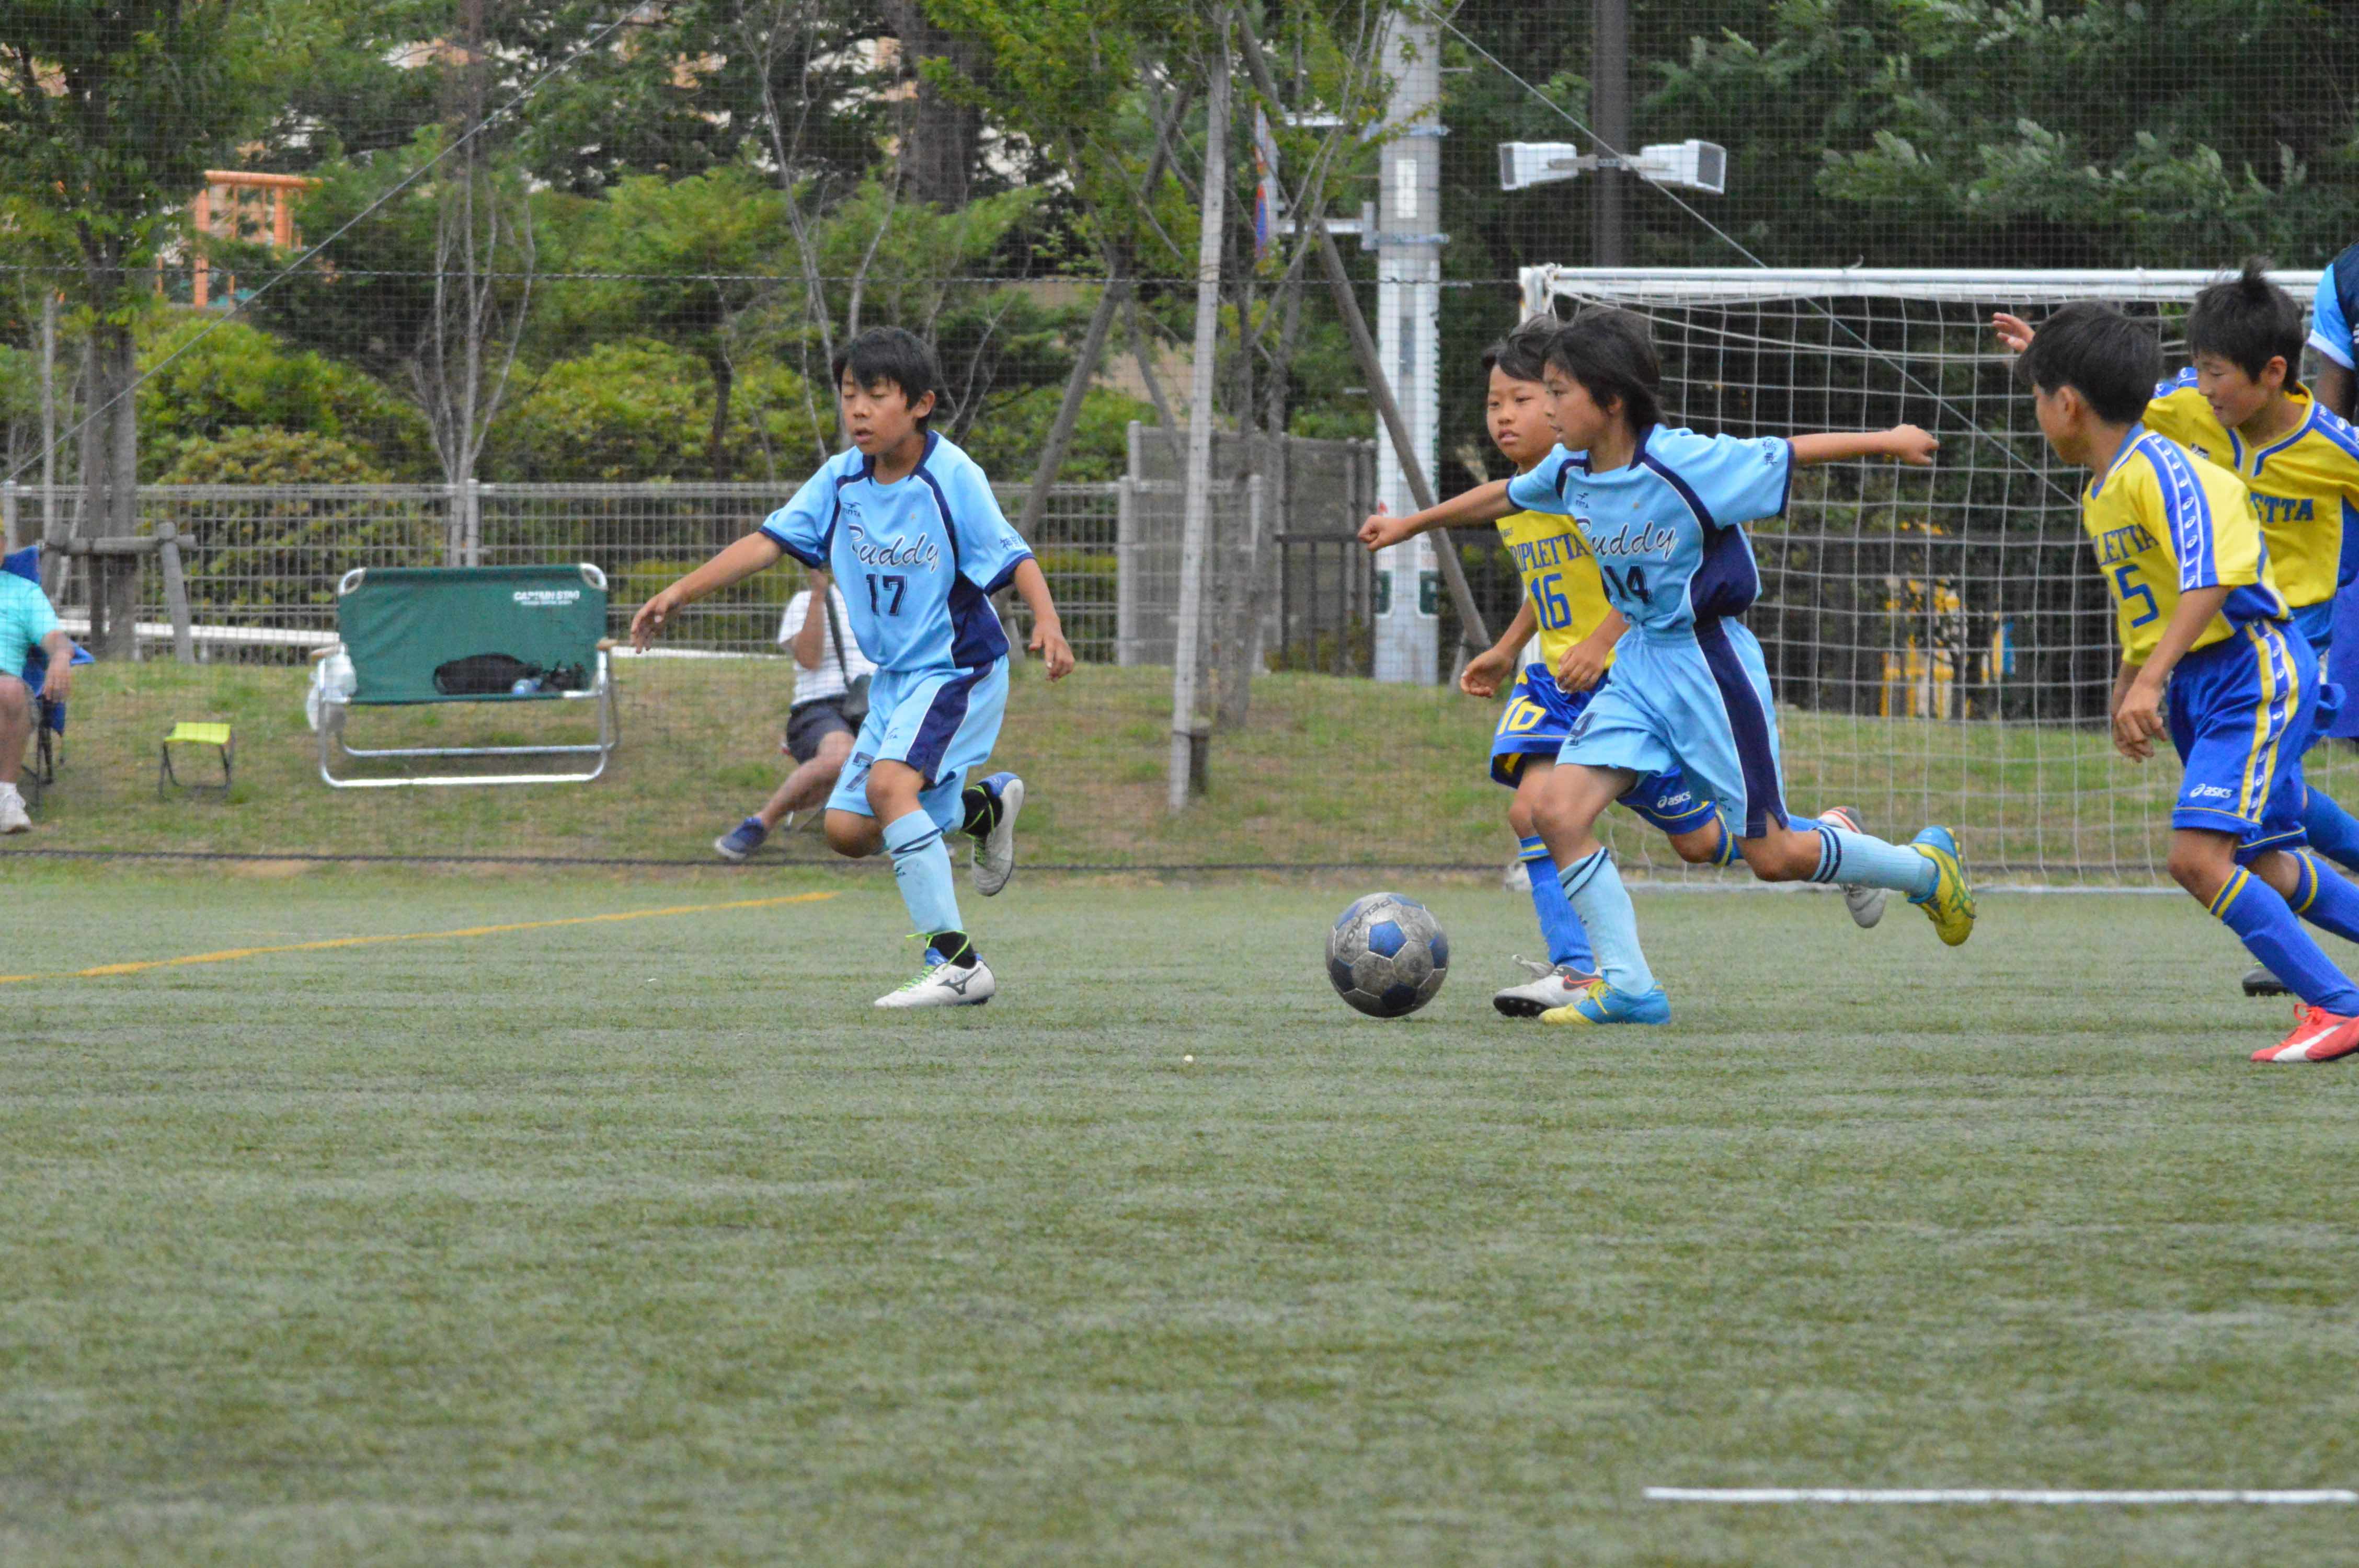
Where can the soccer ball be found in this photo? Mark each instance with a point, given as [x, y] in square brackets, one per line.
[1387, 955]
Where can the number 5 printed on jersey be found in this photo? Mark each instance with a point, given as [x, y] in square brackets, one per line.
[2126, 582]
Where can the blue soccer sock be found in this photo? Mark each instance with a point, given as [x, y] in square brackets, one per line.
[1594, 889]
[1568, 944]
[2324, 899]
[1857, 860]
[922, 868]
[2263, 922]
[2334, 832]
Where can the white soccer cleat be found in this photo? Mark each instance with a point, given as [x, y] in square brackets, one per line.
[1866, 905]
[994, 858]
[14, 819]
[945, 985]
[1551, 986]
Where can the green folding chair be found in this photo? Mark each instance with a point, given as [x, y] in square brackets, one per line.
[442, 634]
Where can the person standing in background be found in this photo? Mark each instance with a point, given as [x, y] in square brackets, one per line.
[828, 663]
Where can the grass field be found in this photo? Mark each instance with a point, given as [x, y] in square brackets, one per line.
[1327, 772]
[645, 1241]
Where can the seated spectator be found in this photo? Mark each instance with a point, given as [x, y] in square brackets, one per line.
[26, 622]
[819, 732]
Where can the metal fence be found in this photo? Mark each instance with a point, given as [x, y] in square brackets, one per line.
[263, 561]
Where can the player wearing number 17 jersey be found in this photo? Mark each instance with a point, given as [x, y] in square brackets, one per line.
[906, 524]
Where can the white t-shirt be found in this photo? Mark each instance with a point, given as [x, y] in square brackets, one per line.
[828, 679]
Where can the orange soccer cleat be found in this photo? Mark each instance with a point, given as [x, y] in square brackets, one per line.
[2321, 1036]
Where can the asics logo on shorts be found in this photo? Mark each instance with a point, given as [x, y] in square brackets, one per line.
[2210, 791]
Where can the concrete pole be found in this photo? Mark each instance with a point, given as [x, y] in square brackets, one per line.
[1195, 527]
[1610, 84]
[1408, 340]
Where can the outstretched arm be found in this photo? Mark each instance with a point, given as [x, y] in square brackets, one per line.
[734, 564]
[1484, 503]
[1907, 443]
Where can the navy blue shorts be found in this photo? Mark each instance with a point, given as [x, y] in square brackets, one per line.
[2240, 718]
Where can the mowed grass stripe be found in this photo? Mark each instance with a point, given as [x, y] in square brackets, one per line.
[231, 954]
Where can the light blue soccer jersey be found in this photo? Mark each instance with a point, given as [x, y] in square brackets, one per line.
[2336, 310]
[1668, 527]
[917, 560]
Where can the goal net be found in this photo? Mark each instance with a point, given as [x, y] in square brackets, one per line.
[1942, 646]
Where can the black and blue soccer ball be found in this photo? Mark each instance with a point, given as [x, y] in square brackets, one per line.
[1387, 955]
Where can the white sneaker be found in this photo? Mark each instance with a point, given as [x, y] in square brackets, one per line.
[945, 985]
[992, 861]
[1866, 905]
[14, 819]
[1517, 878]
[1551, 986]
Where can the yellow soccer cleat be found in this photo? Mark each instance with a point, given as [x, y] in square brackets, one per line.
[1951, 905]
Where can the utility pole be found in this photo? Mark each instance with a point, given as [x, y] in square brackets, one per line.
[1195, 527]
[1609, 74]
[1408, 339]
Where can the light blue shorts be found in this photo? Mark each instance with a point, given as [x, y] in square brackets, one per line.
[940, 722]
[1699, 704]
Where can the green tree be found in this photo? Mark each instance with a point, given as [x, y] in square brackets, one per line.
[110, 113]
[691, 255]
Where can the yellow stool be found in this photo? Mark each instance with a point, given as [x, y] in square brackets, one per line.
[186, 733]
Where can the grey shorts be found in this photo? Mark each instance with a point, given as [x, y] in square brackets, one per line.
[810, 723]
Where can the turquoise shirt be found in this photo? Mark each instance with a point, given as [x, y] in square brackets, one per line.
[24, 619]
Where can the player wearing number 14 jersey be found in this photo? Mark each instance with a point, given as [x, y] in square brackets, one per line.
[1564, 601]
[1663, 511]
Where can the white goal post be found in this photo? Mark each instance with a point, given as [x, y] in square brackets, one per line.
[1941, 645]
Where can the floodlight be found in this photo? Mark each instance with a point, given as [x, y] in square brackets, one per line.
[1536, 163]
[1689, 165]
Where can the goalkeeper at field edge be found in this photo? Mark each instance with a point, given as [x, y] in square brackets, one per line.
[2198, 614]
[2240, 405]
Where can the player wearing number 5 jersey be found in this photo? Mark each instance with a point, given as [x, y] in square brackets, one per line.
[2200, 617]
[1663, 511]
[908, 524]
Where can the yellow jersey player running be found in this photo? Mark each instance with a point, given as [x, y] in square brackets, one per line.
[1564, 601]
[2199, 615]
[2240, 407]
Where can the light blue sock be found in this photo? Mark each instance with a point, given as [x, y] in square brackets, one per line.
[2324, 899]
[1857, 860]
[1594, 889]
[1560, 928]
[922, 866]
[2334, 832]
[2265, 922]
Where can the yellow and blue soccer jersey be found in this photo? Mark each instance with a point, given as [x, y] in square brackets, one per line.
[2304, 485]
[2165, 522]
[1559, 578]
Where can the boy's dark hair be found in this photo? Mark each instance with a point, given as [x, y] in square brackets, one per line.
[1612, 354]
[2103, 355]
[2248, 322]
[1522, 353]
[899, 356]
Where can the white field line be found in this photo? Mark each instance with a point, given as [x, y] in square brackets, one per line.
[1989, 1495]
